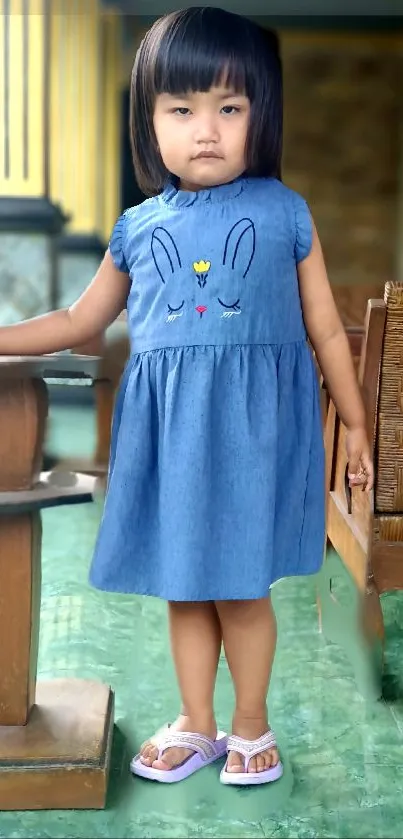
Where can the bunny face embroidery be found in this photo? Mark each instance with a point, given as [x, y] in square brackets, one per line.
[237, 258]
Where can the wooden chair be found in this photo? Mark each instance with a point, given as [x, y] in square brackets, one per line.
[366, 530]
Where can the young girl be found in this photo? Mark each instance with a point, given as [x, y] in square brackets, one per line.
[216, 481]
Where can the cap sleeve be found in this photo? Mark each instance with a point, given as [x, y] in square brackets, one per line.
[116, 244]
[303, 228]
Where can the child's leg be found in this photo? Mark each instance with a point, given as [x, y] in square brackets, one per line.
[196, 645]
[249, 634]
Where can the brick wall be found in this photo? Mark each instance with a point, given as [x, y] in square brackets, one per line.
[343, 101]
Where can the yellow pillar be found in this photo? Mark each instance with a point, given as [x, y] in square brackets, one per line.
[75, 97]
[23, 137]
[27, 217]
[112, 96]
[85, 126]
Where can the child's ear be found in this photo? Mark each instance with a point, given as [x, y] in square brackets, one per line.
[239, 248]
[165, 253]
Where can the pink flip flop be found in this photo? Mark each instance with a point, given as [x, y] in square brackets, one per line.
[205, 751]
[249, 749]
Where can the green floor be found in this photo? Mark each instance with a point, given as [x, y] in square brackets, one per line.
[343, 757]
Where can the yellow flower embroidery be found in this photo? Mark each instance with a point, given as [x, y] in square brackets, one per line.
[201, 267]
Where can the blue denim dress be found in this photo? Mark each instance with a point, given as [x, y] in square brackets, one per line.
[216, 480]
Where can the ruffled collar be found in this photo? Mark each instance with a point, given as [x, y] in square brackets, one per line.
[178, 198]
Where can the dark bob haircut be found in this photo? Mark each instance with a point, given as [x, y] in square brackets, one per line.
[191, 50]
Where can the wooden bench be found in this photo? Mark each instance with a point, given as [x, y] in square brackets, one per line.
[366, 530]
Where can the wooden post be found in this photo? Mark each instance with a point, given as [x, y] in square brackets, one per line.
[55, 737]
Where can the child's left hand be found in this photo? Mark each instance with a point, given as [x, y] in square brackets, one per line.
[360, 466]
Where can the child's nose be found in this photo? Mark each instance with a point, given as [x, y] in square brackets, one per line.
[206, 130]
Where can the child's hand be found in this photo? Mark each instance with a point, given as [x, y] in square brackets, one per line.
[360, 466]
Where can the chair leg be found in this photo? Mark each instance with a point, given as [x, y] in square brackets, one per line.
[352, 620]
[373, 625]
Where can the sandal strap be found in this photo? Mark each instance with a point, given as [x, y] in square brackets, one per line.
[187, 740]
[251, 748]
[159, 735]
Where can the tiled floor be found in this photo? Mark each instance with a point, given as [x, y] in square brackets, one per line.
[343, 757]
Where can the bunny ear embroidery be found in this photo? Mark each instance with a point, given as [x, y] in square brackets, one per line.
[240, 243]
[165, 253]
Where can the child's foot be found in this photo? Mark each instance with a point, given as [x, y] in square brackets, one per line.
[175, 756]
[251, 729]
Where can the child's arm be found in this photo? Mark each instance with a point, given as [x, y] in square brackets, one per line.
[97, 308]
[331, 346]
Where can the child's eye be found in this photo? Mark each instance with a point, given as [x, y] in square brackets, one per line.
[183, 112]
[230, 109]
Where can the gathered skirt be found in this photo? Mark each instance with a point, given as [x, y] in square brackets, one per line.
[216, 478]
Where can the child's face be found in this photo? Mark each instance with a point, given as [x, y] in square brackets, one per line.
[202, 136]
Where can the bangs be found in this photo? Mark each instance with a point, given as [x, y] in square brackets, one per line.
[196, 56]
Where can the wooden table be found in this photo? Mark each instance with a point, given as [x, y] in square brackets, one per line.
[55, 737]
